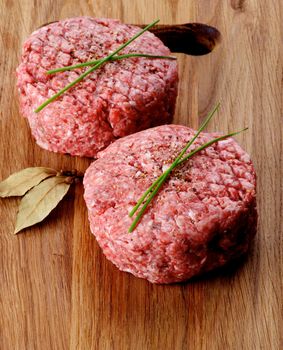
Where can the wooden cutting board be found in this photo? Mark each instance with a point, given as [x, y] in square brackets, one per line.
[57, 291]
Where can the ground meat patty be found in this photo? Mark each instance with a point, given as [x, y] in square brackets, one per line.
[118, 99]
[204, 216]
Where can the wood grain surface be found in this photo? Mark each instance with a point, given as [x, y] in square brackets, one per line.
[57, 291]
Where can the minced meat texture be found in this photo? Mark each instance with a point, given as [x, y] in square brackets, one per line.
[204, 215]
[118, 99]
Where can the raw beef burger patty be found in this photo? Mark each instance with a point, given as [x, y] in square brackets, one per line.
[204, 215]
[118, 99]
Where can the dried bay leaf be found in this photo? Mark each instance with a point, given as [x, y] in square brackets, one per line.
[20, 182]
[40, 201]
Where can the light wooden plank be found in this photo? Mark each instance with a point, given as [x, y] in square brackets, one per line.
[57, 291]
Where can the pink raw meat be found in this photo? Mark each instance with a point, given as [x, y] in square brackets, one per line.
[203, 217]
[118, 99]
